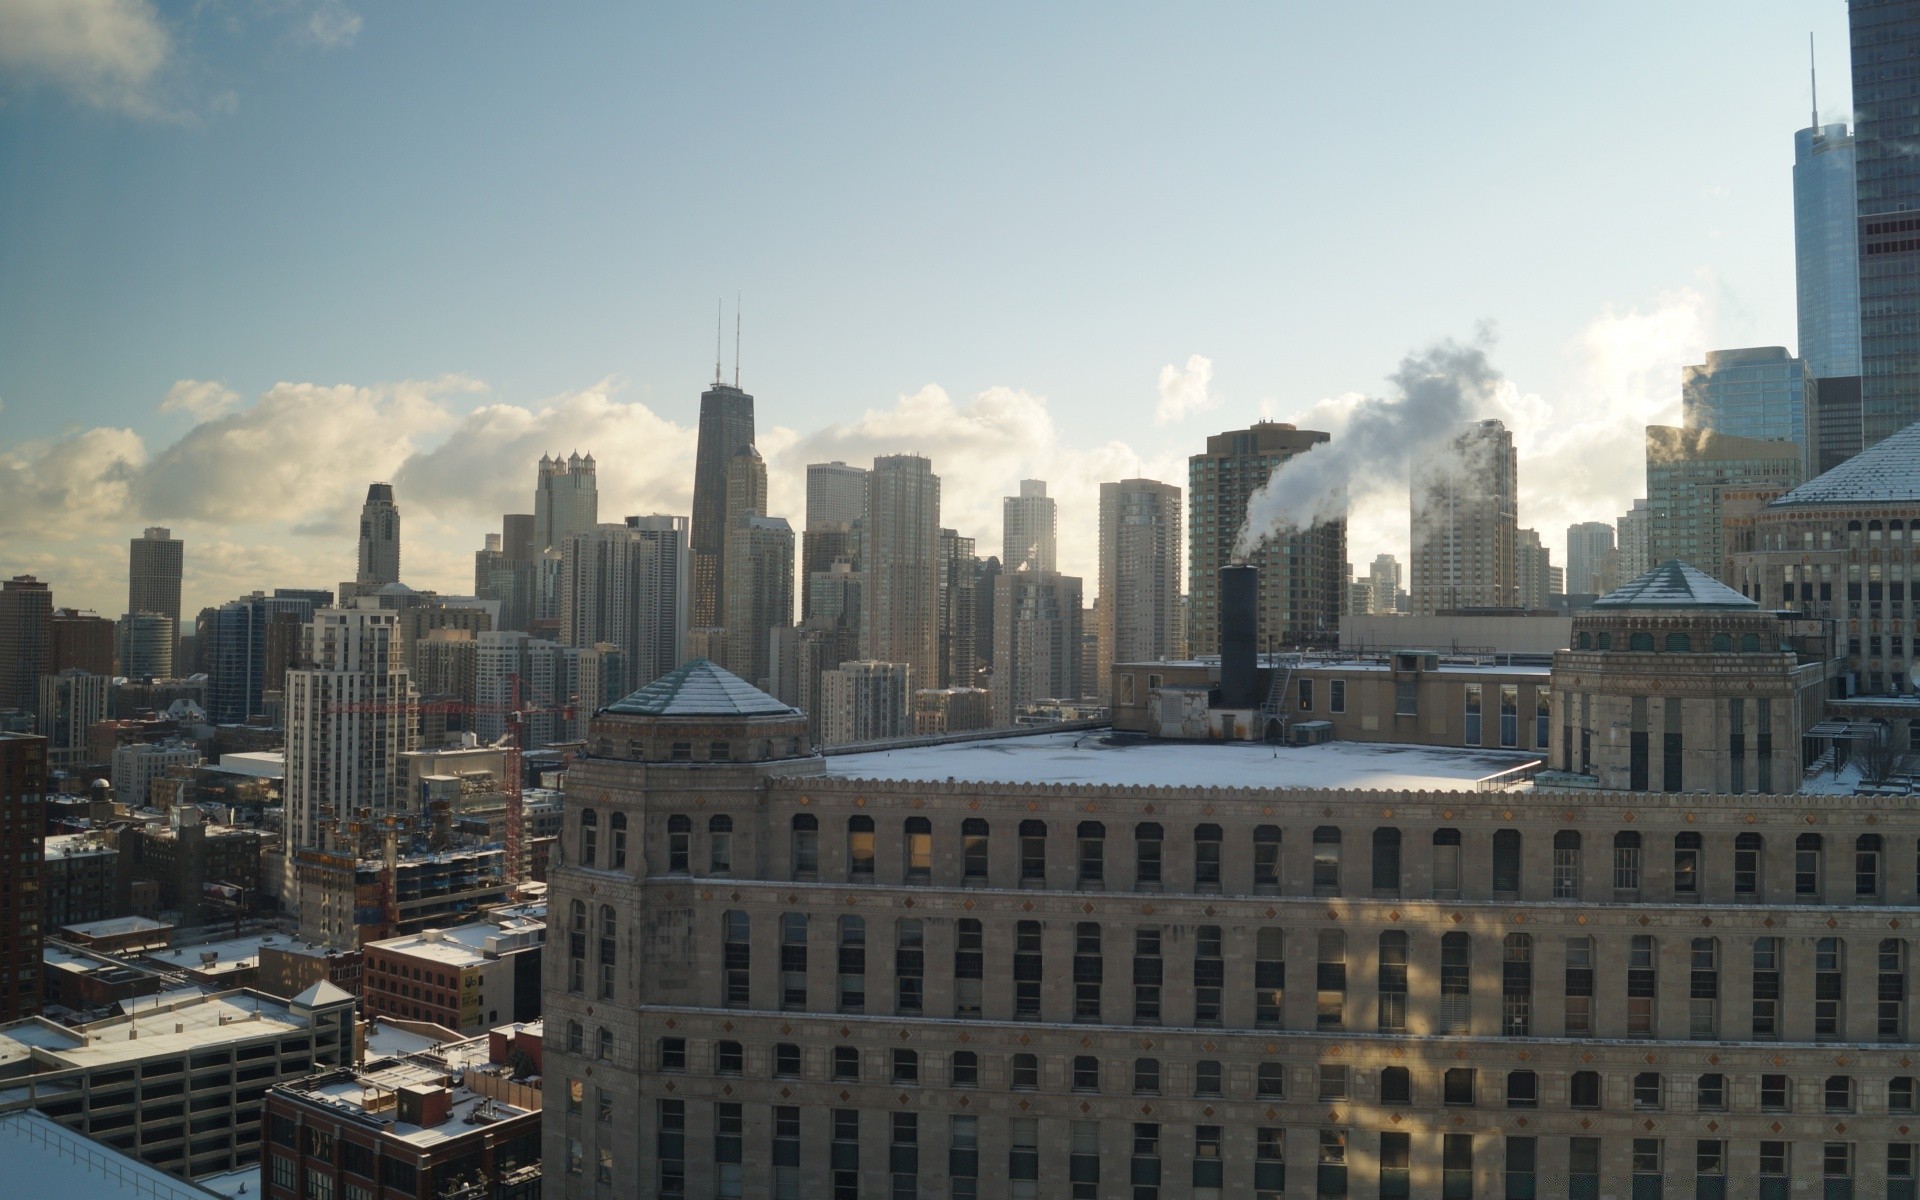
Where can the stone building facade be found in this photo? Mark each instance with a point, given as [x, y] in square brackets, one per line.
[781, 979]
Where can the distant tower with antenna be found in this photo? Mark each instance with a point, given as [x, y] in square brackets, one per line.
[1827, 283]
[726, 427]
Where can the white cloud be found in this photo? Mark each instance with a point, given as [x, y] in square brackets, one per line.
[104, 53]
[200, 399]
[1183, 391]
[333, 26]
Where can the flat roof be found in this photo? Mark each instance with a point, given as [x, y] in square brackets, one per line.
[164, 1027]
[117, 926]
[357, 1090]
[1376, 661]
[262, 764]
[233, 954]
[76, 845]
[458, 945]
[45, 1158]
[1099, 758]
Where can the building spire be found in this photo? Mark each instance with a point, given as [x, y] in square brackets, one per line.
[1813, 79]
[736, 340]
[719, 308]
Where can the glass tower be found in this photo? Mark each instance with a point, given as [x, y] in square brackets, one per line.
[1758, 392]
[1886, 70]
[1825, 250]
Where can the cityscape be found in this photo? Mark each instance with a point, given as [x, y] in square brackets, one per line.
[931, 804]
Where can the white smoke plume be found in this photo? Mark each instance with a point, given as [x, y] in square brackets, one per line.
[1435, 392]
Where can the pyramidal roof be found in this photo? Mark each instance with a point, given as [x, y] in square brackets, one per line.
[1889, 472]
[1674, 584]
[702, 689]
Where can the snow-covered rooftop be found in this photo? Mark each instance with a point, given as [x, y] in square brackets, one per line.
[1889, 472]
[702, 689]
[45, 1158]
[1097, 758]
[1674, 584]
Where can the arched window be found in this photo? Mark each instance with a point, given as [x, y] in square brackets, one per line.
[1446, 863]
[1326, 860]
[1024, 1073]
[1626, 861]
[919, 847]
[1679, 643]
[1640, 641]
[1749, 643]
[1033, 854]
[609, 949]
[1206, 858]
[1603, 641]
[1584, 641]
[617, 825]
[679, 839]
[1266, 859]
[1386, 859]
[1807, 854]
[1686, 864]
[806, 847]
[1866, 865]
[589, 837]
[1506, 862]
[576, 1038]
[1722, 643]
[973, 852]
[1093, 854]
[1396, 1085]
[1749, 851]
[720, 845]
[1566, 864]
[577, 946]
[860, 849]
[1148, 839]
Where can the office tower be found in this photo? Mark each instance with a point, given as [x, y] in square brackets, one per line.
[866, 701]
[627, 585]
[154, 563]
[1826, 251]
[1885, 36]
[1359, 594]
[1587, 546]
[23, 785]
[1834, 430]
[1465, 509]
[1687, 470]
[1759, 392]
[952, 710]
[1038, 621]
[26, 640]
[70, 705]
[836, 494]
[1385, 581]
[488, 560]
[958, 565]
[1634, 557]
[984, 574]
[444, 665]
[759, 592]
[726, 425]
[1533, 570]
[519, 532]
[349, 717]
[821, 546]
[379, 539]
[85, 640]
[1303, 573]
[242, 667]
[566, 501]
[900, 617]
[1030, 529]
[1140, 566]
[557, 687]
[146, 645]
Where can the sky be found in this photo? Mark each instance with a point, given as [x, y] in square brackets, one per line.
[254, 256]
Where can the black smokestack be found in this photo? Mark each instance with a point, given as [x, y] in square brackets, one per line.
[1239, 639]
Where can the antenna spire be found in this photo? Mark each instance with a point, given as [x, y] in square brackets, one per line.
[719, 306]
[1813, 79]
[736, 340]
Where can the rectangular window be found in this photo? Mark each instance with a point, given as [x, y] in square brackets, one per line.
[1089, 968]
[1473, 714]
[1523, 1163]
[1306, 695]
[968, 967]
[1579, 987]
[1207, 1167]
[909, 966]
[1146, 1161]
[1641, 986]
[728, 1127]
[1269, 1162]
[963, 1157]
[1703, 995]
[903, 1156]
[1766, 988]
[1332, 1180]
[1583, 1166]
[843, 1154]
[1148, 972]
[786, 1152]
[1209, 975]
[1775, 1170]
[1083, 1160]
[1336, 695]
[1396, 1160]
[1026, 970]
[1406, 698]
[1456, 1166]
[1510, 714]
[1269, 978]
[669, 1145]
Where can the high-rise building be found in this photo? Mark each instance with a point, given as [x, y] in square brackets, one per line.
[154, 565]
[243, 665]
[1037, 627]
[1635, 557]
[1885, 37]
[566, 501]
[1140, 565]
[146, 645]
[379, 539]
[1826, 250]
[23, 786]
[866, 701]
[1030, 529]
[822, 545]
[984, 574]
[559, 686]
[900, 616]
[349, 718]
[1587, 546]
[836, 494]
[1465, 510]
[519, 532]
[1687, 470]
[444, 665]
[958, 564]
[1386, 582]
[626, 585]
[70, 705]
[1303, 572]
[82, 639]
[726, 425]
[26, 640]
[1533, 569]
[1758, 392]
[759, 592]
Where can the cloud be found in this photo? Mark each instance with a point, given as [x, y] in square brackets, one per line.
[333, 26]
[1184, 392]
[107, 54]
[69, 485]
[200, 399]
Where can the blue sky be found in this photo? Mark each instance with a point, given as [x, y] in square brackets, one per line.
[995, 234]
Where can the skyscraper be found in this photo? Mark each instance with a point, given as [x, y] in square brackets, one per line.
[82, 639]
[1635, 559]
[836, 492]
[958, 564]
[1138, 614]
[23, 785]
[900, 615]
[726, 425]
[822, 545]
[759, 592]
[627, 585]
[1758, 392]
[154, 565]
[1826, 253]
[1303, 573]
[146, 642]
[26, 640]
[1687, 470]
[1533, 570]
[71, 704]
[1465, 510]
[1587, 546]
[1029, 529]
[349, 718]
[566, 501]
[242, 669]
[563, 685]
[865, 701]
[379, 538]
[1037, 626]
[1886, 40]
[1386, 581]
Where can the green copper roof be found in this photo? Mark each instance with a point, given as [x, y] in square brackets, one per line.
[702, 689]
[1674, 584]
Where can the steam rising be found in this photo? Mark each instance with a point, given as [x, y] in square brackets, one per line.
[1435, 392]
